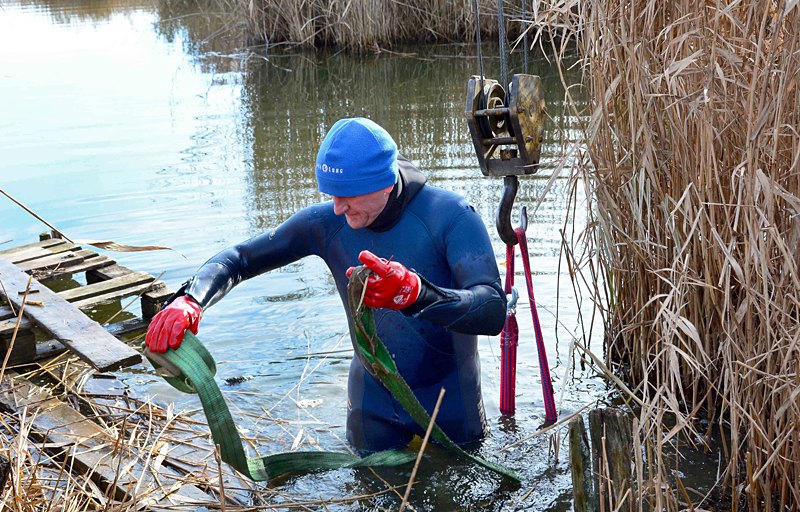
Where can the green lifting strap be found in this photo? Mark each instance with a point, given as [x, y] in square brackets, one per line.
[191, 369]
[379, 363]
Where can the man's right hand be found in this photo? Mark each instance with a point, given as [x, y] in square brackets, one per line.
[167, 327]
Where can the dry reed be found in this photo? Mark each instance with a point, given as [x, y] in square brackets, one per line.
[156, 455]
[370, 24]
[691, 170]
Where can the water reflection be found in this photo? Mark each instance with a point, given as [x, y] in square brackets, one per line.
[83, 11]
[209, 36]
[292, 101]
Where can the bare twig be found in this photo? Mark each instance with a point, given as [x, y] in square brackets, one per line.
[422, 449]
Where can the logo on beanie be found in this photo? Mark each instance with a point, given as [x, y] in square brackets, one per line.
[325, 168]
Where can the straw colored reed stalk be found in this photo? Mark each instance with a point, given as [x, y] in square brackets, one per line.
[156, 455]
[370, 24]
[692, 169]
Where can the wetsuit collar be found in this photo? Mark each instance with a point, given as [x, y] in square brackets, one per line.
[409, 182]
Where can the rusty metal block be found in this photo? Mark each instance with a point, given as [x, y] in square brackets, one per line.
[506, 128]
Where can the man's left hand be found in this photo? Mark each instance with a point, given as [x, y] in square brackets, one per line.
[391, 285]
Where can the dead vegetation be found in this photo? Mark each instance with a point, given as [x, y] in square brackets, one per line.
[370, 25]
[691, 170]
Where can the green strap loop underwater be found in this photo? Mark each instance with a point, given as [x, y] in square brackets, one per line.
[191, 368]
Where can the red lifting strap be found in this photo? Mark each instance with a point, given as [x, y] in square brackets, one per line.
[509, 339]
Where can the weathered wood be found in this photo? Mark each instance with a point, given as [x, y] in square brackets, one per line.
[104, 287]
[41, 252]
[87, 297]
[24, 348]
[106, 273]
[67, 324]
[580, 462]
[89, 264]
[55, 261]
[126, 327]
[87, 447]
[41, 350]
[116, 295]
[612, 453]
[153, 301]
[35, 245]
[7, 326]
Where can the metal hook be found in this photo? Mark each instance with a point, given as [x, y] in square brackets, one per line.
[512, 300]
[503, 220]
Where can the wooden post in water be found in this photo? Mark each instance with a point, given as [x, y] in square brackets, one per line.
[583, 497]
[612, 450]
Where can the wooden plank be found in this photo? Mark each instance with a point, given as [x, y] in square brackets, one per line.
[55, 261]
[117, 328]
[91, 264]
[104, 287]
[120, 329]
[43, 350]
[103, 292]
[35, 245]
[41, 252]
[87, 447]
[153, 301]
[7, 326]
[67, 324]
[116, 295]
[106, 273]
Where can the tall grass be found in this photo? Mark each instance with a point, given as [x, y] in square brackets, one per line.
[692, 171]
[371, 24]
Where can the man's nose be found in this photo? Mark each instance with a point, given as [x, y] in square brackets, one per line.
[340, 205]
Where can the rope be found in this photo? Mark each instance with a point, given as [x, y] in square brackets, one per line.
[478, 39]
[502, 36]
[525, 35]
[509, 339]
[510, 336]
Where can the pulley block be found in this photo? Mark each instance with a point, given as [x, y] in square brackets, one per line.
[506, 127]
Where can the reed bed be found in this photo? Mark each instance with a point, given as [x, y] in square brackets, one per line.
[691, 170]
[371, 24]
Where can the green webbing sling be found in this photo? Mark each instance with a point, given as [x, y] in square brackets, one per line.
[195, 370]
[379, 363]
[191, 369]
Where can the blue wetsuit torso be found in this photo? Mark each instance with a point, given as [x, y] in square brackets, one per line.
[441, 237]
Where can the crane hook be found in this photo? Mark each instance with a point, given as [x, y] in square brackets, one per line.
[503, 220]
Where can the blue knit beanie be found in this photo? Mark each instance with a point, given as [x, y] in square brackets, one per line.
[357, 157]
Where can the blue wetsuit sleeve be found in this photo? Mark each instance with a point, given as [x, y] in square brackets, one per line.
[476, 304]
[291, 241]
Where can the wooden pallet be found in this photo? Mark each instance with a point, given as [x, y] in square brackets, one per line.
[165, 475]
[60, 315]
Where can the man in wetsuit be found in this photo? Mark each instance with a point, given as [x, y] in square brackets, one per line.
[438, 291]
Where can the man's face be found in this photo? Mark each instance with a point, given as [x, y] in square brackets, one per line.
[362, 210]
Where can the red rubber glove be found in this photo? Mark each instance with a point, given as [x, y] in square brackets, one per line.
[391, 286]
[167, 327]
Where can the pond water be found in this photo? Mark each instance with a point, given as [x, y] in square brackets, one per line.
[146, 123]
